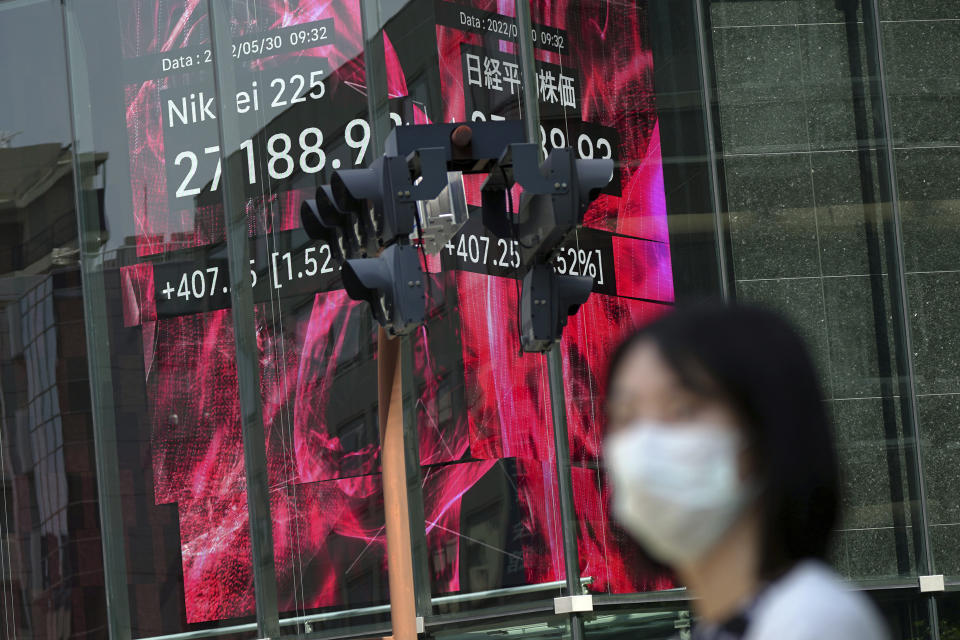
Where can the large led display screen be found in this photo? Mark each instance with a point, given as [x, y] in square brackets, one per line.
[483, 413]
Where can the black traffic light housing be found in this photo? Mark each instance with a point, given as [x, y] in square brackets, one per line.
[362, 210]
[556, 195]
[341, 227]
[393, 284]
[546, 301]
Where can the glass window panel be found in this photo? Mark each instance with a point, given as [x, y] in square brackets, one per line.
[140, 80]
[655, 623]
[316, 345]
[507, 421]
[808, 233]
[948, 611]
[918, 39]
[51, 574]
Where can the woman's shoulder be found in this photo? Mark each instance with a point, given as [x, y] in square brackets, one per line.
[812, 601]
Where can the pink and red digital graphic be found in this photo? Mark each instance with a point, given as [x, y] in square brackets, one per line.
[325, 490]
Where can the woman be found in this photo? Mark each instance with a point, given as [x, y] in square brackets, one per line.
[722, 465]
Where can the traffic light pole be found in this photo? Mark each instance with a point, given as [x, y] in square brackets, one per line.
[528, 73]
[414, 483]
[558, 409]
[403, 612]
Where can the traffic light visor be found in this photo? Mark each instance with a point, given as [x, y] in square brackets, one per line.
[592, 176]
[363, 277]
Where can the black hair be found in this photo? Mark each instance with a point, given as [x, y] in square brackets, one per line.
[754, 359]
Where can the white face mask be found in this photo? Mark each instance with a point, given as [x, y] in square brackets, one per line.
[676, 488]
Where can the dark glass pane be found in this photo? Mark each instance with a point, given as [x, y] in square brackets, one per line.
[948, 610]
[907, 614]
[650, 622]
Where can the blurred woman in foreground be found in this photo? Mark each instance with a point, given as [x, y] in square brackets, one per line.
[723, 467]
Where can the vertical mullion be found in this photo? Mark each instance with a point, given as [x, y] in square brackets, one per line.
[893, 222]
[244, 328]
[374, 62]
[96, 327]
[417, 514]
[528, 75]
[889, 188]
[873, 231]
[568, 515]
[709, 126]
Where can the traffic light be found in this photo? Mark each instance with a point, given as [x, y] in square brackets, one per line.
[341, 229]
[393, 284]
[391, 191]
[366, 212]
[556, 195]
[367, 216]
[362, 210]
[547, 299]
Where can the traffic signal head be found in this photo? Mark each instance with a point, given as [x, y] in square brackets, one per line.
[351, 187]
[362, 210]
[546, 301]
[334, 217]
[393, 284]
[360, 192]
[322, 223]
[312, 222]
[556, 195]
[570, 184]
[591, 175]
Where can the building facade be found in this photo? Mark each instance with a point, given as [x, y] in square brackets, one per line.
[156, 400]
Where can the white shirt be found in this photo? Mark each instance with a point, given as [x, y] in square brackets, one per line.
[811, 602]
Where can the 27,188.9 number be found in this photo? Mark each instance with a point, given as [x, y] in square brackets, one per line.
[284, 155]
